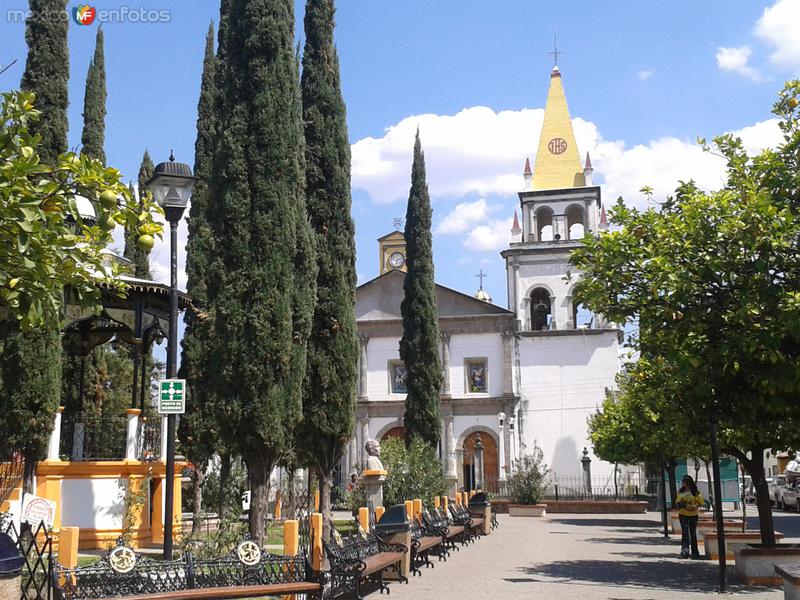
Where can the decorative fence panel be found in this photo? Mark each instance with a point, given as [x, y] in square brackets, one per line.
[93, 436]
[36, 545]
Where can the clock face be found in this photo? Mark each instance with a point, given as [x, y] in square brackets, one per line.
[557, 146]
[397, 260]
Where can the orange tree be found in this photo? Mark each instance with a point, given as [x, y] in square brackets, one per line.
[714, 279]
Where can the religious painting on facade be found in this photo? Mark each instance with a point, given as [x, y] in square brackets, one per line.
[476, 376]
[397, 377]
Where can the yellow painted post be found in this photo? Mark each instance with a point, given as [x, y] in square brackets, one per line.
[445, 501]
[409, 509]
[177, 511]
[363, 518]
[465, 498]
[157, 519]
[471, 494]
[437, 502]
[278, 501]
[316, 543]
[291, 537]
[68, 549]
[379, 510]
[417, 508]
[316, 500]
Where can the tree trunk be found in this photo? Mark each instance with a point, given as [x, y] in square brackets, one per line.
[28, 475]
[755, 466]
[197, 483]
[258, 471]
[224, 478]
[325, 485]
[673, 488]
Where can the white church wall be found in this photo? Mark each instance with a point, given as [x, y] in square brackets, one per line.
[380, 351]
[563, 382]
[479, 345]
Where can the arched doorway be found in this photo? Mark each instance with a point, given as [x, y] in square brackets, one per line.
[489, 461]
[395, 432]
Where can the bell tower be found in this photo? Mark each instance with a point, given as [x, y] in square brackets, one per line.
[392, 252]
[559, 205]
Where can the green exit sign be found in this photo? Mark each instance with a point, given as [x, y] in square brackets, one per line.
[172, 396]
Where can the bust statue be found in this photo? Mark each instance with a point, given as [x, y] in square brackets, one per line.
[373, 449]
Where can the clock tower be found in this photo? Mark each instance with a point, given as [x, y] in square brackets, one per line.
[392, 252]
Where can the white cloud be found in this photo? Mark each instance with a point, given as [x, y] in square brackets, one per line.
[465, 215]
[645, 74]
[474, 151]
[778, 27]
[485, 153]
[491, 236]
[736, 60]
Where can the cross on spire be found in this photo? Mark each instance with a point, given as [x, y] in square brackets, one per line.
[397, 223]
[481, 275]
[555, 51]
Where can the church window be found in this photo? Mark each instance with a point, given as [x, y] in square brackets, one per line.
[582, 316]
[397, 377]
[477, 375]
[541, 314]
[575, 222]
[544, 225]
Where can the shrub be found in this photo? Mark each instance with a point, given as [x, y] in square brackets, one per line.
[526, 483]
[414, 472]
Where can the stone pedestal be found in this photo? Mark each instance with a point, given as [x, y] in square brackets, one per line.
[373, 483]
[452, 486]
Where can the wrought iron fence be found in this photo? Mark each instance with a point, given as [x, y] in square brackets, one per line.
[11, 472]
[578, 488]
[36, 545]
[148, 445]
[495, 487]
[93, 436]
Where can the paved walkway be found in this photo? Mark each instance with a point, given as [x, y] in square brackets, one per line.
[616, 557]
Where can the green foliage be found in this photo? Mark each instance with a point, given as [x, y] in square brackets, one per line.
[140, 258]
[415, 471]
[197, 429]
[528, 478]
[329, 392]
[47, 74]
[227, 494]
[39, 250]
[713, 279]
[263, 289]
[134, 499]
[419, 346]
[94, 104]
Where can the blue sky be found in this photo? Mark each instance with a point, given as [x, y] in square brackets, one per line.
[643, 80]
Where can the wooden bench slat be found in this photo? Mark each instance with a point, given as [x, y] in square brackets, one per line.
[245, 591]
[426, 543]
[380, 561]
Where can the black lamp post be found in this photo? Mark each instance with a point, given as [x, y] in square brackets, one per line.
[172, 183]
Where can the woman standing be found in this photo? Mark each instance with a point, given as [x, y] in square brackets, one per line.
[688, 502]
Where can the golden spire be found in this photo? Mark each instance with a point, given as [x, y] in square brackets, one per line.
[558, 163]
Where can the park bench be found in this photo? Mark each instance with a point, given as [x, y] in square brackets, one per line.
[452, 533]
[246, 572]
[361, 555]
[471, 524]
[424, 541]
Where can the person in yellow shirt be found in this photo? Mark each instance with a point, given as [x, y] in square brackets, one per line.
[688, 502]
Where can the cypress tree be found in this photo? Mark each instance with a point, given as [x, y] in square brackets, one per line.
[419, 346]
[262, 296]
[196, 428]
[47, 74]
[139, 258]
[94, 104]
[30, 365]
[329, 398]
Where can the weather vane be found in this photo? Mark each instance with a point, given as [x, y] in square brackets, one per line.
[397, 223]
[555, 51]
[481, 275]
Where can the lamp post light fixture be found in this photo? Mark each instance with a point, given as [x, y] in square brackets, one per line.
[171, 184]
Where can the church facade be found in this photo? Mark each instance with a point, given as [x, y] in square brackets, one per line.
[528, 374]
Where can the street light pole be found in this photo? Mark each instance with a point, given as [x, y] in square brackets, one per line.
[172, 183]
[174, 217]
